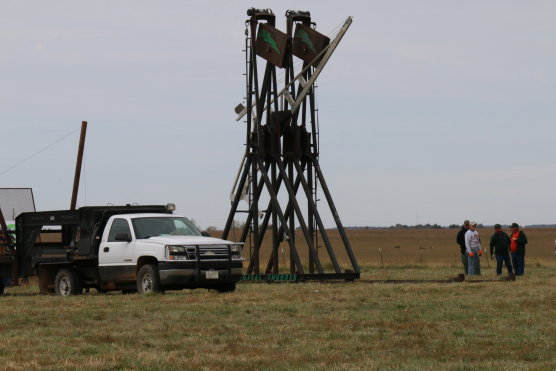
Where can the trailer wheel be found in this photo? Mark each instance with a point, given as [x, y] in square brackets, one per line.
[230, 287]
[67, 283]
[148, 280]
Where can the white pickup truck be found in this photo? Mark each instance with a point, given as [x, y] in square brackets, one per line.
[130, 248]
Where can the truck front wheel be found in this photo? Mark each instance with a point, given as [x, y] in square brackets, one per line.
[148, 280]
[67, 283]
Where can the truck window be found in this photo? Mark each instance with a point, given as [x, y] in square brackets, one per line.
[118, 226]
[163, 226]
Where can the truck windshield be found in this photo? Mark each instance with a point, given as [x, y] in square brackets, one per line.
[167, 226]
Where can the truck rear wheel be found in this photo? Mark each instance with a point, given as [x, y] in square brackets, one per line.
[67, 283]
[148, 280]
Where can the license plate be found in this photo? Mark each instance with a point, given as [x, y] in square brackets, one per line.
[211, 275]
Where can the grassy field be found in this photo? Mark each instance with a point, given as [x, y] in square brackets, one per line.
[495, 325]
[407, 247]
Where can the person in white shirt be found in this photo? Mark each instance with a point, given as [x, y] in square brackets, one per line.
[473, 249]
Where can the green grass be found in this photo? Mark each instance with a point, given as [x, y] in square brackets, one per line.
[461, 326]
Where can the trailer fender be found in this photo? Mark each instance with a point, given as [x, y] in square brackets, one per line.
[47, 276]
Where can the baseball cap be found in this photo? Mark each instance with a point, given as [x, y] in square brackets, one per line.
[473, 222]
[496, 226]
[514, 225]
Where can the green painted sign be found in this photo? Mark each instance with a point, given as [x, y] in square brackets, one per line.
[269, 277]
[267, 38]
[304, 36]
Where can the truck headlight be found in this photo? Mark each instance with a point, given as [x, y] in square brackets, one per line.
[176, 253]
[175, 249]
[235, 251]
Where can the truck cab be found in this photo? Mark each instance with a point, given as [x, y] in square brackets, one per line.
[129, 248]
[178, 254]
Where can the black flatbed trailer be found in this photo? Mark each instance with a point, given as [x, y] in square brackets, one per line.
[7, 259]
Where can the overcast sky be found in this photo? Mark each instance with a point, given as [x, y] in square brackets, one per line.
[430, 111]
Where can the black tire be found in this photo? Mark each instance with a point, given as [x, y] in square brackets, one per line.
[229, 287]
[148, 280]
[1, 286]
[67, 283]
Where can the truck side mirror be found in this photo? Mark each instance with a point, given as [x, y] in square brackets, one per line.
[122, 237]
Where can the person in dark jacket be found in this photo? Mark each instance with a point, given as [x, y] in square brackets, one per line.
[460, 239]
[518, 240]
[500, 246]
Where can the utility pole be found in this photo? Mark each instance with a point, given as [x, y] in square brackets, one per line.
[78, 165]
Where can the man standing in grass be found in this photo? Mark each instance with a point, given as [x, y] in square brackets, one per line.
[500, 245]
[460, 239]
[518, 240]
[473, 249]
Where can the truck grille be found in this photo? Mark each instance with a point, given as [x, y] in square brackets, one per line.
[208, 252]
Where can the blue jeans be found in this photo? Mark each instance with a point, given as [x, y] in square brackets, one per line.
[519, 263]
[503, 259]
[474, 264]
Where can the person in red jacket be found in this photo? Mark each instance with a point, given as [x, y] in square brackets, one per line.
[518, 240]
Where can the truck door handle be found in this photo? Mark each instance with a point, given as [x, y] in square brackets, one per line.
[106, 249]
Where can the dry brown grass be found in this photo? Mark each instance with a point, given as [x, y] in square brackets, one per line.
[463, 326]
[493, 325]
